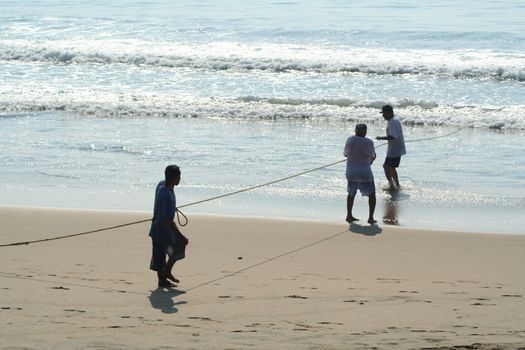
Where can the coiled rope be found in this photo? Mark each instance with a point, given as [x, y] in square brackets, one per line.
[204, 200]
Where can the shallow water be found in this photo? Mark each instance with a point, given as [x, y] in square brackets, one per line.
[449, 182]
[97, 98]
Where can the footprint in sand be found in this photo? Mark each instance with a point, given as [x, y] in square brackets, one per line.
[481, 304]
[230, 296]
[304, 327]
[361, 302]
[201, 318]
[468, 282]
[294, 296]
[389, 280]
[60, 288]
[329, 323]
[256, 324]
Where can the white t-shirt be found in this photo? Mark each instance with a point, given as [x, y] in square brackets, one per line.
[359, 153]
[396, 147]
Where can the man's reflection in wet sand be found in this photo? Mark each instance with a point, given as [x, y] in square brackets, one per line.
[392, 204]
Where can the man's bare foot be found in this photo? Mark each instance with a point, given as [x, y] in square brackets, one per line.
[168, 276]
[172, 278]
[372, 221]
[350, 219]
[164, 283]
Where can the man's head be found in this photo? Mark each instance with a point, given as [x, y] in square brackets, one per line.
[172, 174]
[360, 130]
[388, 112]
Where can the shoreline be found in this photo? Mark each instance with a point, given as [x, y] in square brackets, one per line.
[455, 192]
[258, 283]
[361, 223]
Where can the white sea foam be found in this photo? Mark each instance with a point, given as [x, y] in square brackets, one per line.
[108, 105]
[460, 64]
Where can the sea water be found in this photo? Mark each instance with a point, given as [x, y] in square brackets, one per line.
[96, 98]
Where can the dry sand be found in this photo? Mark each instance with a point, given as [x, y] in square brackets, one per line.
[257, 284]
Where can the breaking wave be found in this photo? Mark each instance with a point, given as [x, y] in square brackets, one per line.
[273, 58]
[411, 112]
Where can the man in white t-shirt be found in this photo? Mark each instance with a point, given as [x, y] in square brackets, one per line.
[396, 146]
[360, 153]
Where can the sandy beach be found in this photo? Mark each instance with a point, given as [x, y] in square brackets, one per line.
[254, 101]
[250, 283]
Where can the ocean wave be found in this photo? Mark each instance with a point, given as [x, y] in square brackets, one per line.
[340, 102]
[273, 58]
[106, 148]
[411, 112]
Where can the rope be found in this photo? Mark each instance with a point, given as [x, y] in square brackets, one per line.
[205, 200]
[262, 185]
[268, 260]
[295, 250]
[435, 137]
[178, 210]
[180, 213]
[74, 234]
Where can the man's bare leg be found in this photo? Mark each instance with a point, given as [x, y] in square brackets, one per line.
[163, 282]
[395, 178]
[349, 206]
[371, 208]
[391, 176]
[167, 270]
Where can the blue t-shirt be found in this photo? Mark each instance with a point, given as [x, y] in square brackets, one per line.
[164, 209]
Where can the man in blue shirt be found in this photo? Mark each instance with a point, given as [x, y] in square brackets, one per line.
[165, 235]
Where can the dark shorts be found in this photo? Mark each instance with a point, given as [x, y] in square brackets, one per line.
[392, 162]
[161, 248]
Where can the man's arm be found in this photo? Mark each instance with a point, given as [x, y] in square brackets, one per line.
[372, 150]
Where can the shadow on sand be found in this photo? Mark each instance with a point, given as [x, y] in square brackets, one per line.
[162, 299]
[367, 230]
